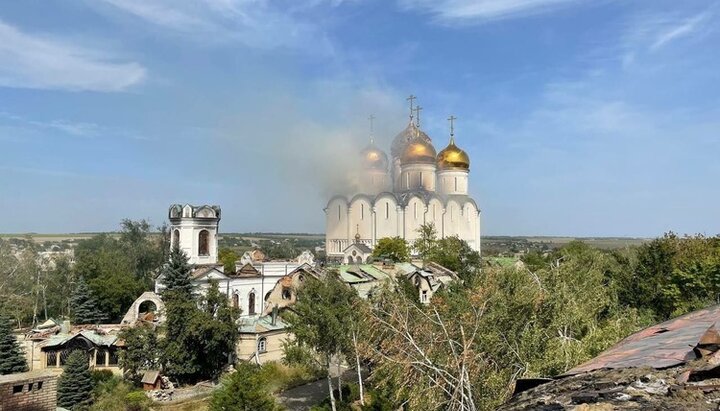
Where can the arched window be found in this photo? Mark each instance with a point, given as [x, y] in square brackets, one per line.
[204, 243]
[387, 210]
[251, 303]
[455, 183]
[235, 301]
[176, 238]
[262, 345]
[362, 211]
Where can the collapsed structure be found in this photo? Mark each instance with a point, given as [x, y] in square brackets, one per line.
[674, 365]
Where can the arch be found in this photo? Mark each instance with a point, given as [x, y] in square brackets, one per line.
[361, 217]
[262, 344]
[204, 243]
[205, 212]
[358, 260]
[235, 300]
[251, 303]
[133, 312]
[414, 217]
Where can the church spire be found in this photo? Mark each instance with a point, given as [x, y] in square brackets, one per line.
[417, 116]
[411, 99]
[372, 134]
[452, 119]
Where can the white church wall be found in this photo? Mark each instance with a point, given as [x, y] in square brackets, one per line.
[337, 223]
[452, 219]
[414, 218]
[361, 218]
[453, 182]
[386, 217]
[434, 215]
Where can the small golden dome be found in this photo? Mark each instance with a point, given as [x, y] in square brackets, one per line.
[418, 151]
[453, 157]
[374, 158]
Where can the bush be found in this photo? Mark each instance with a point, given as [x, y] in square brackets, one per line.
[137, 401]
[101, 376]
[244, 390]
[282, 377]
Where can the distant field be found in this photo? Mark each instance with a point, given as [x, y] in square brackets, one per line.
[40, 238]
[598, 242]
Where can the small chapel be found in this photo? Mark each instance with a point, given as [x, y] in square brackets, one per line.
[396, 195]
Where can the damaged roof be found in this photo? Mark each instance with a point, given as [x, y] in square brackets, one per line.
[661, 346]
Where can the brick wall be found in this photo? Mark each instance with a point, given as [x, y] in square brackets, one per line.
[30, 391]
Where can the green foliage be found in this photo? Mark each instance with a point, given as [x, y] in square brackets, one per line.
[244, 390]
[200, 334]
[176, 274]
[100, 377]
[455, 254]
[115, 394]
[141, 351]
[12, 359]
[75, 385]
[281, 376]
[394, 249]
[425, 243]
[228, 257]
[84, 306]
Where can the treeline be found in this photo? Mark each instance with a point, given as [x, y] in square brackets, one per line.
[109, 273]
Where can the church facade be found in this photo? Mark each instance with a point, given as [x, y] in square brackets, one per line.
[398, 194]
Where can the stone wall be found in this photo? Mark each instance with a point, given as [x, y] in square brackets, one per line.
[30, 391]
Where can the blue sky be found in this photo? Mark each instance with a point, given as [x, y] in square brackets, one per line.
[581, 117]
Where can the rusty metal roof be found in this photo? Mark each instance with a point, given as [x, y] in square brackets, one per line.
[664, 345]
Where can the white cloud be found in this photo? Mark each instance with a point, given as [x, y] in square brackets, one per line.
[256, 23]
[31, 61]
[683, 29]
[483, 9]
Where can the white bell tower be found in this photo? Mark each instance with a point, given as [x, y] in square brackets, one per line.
[195, 230]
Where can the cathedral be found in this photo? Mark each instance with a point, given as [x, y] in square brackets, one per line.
[397, 194]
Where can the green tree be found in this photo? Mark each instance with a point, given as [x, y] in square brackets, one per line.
[12, 359]
[75, 385]
[320, 322]
[243, 390]
[84, 307]
[228, 257]
[141, 350]
[176, 274]
[455, 254]
[393, 248]
[61, 281]
[426, 241]
[219, 332]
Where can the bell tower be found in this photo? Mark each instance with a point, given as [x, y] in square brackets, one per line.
[195, 230]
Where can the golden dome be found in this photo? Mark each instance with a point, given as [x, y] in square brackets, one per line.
[374, 158]
[453, 157]
[418, 151]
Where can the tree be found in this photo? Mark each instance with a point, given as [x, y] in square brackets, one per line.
[12, 359]
[141, 350]
[176, 274]
[84, 307]
[393, 248]
[201, 334]
[228, 257]
[455, 254]
[425, 243]
[243, 390]
[320, 323]
[75, 385]
[61, 281]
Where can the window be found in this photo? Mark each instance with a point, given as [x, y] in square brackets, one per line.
[100, 357]
[362, 211]
[204, 242]
[113, 359]
[251, 303]
[262, 344]
[338, 212]
[30, 387]
[286, 293]
[17, 389]
[176, 238]
[421, 179]
[235, 301]
[51, 357]
[455, 183]
[424, 297]
[387, 210]
[39, 387]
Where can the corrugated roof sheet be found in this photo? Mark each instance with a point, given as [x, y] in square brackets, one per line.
[663, 345]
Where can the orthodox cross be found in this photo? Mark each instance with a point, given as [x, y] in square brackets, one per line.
[411, 99]
[417, 115]
[452, 119]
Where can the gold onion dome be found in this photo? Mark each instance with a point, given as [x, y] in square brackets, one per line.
[374, 158]
[418, 151]
[453, 157]
[403, 138]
